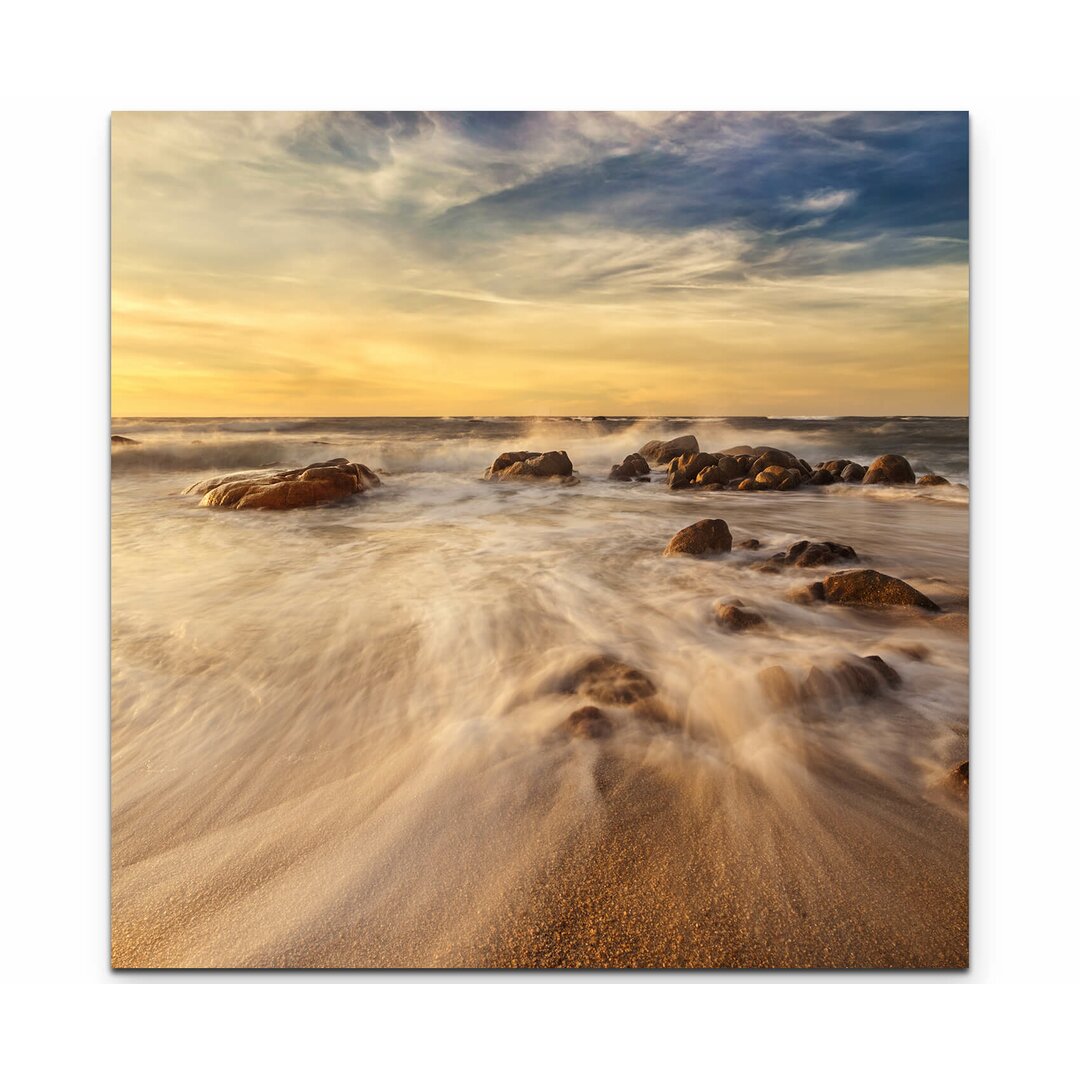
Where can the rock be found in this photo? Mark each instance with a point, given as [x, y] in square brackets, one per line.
[791, 481]
[322, 482]
[769, 455]
[852, 473]
[682, 471]
[707, 537]
[609, 681]
[821, 477]
[836, 466]
[777, 686]
[889, 469]
[660, 453]
[528, 465]
[736, 618]
[751, 545]
[958, 776]
[817, 553]
[888, 674]
[771, 477]
[123, 440]
[807, 594]
[587, 723]
[632, 467]
[931, 480]
[749, 484]
[711, 476]
[868, 588]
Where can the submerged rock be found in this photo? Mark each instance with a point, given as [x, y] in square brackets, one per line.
[889, 469]
[709, 536]
[609, 681]
[778, 686]
[529, 465]
[321, 482]
[660, 453]
[632, 467]
[868, 588]
[587, 723]
[123, 440]
[816, 553]
[932, 480]
[736, 618]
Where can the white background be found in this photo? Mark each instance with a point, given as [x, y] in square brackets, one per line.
[65, 67]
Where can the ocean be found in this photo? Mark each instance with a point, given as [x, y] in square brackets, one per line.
[339, 733]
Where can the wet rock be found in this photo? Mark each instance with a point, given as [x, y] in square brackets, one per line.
[751, 545]
[709, 536]
[889, 469]
[852, 473]
[769, 455]
[778, 686]
[821, 477]
[632, 467]
[123, 440]
[321, 482]
[868, 588]
[683, 471]
[609, 681]
[817, 553]
[711, 476]
[836, 466]
[748, 484]
[958, 777]
[525, 466]
[771, 477]
[932, 480]
[587, 723]
[791, 481]
[807, 594]
[736, 618]
[889, 675]
[657, 452]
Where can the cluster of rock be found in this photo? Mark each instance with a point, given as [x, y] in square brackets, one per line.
[855, 677]
[758, 468]
[321, 482]
[613, 683]
[530, 465]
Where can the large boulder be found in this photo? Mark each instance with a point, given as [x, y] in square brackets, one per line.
[868, 588]
[931, 480]
[660, 453]
[683, 470]
[526, 465]
[853, 473]
[710, 536]
[889, 469]
[836, 465]
[322, 482]
[632, 467]
[777, 478]
[821, 478]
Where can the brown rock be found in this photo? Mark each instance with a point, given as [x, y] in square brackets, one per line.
[807, 594]
[523, 465]
[836, 466]
[123, 440]
[322, 482]
[587, 723]
[771, 477]
[888, 674]
[751, 545]
[820, 553]
[749, 484]
[609, 681]
[958, 777]
[931, 480]
[707, 537]
[632, 467]
[853, 473]
[660, 453]
[769, 455]
[821, 477]
[736, 618]
[868, 588]
[889, 469]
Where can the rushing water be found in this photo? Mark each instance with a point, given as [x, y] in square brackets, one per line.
[336, 731]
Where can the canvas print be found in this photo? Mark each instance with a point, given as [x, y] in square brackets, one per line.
[539, 540]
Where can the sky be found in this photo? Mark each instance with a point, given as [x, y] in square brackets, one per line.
[429, 264]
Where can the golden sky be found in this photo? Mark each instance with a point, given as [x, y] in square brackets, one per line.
[305, 264]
